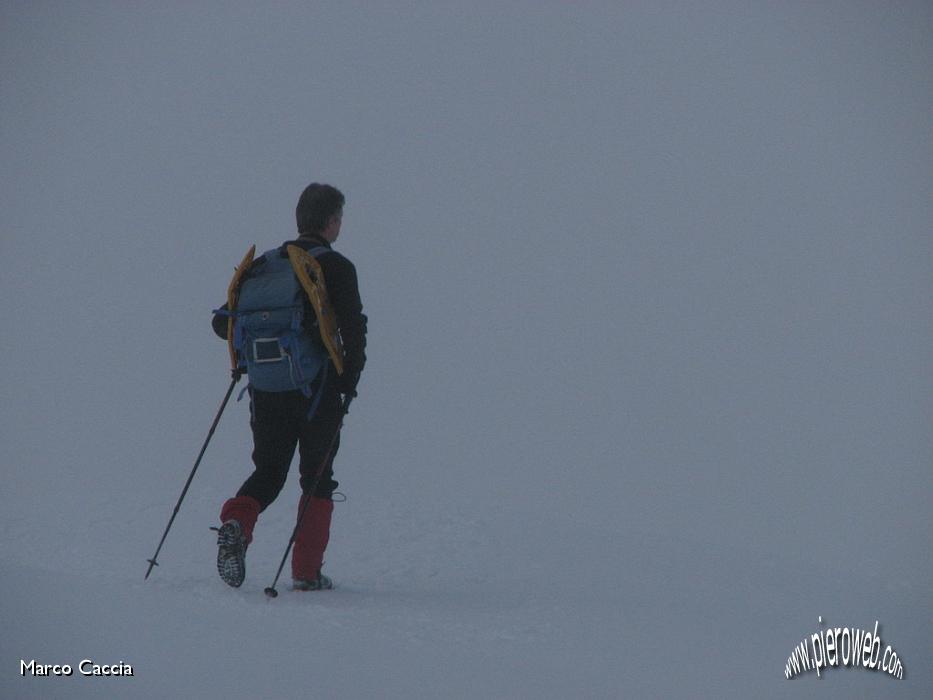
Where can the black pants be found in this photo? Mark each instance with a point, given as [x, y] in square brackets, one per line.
[280, 422]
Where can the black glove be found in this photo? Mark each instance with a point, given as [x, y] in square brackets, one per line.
[346, 382]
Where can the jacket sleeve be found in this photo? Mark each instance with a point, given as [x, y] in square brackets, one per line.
[343, 290]
[219, 323]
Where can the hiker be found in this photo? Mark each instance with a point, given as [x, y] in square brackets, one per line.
[296, 383]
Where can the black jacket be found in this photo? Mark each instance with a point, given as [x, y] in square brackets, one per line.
[343, 291]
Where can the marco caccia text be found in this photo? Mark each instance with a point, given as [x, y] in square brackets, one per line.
[86, 667]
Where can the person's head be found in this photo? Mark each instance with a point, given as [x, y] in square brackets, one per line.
[319, 211]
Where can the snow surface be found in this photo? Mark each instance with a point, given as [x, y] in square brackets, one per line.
[434, 600]
[649, 380]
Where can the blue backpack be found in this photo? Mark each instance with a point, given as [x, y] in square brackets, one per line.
[274, 344]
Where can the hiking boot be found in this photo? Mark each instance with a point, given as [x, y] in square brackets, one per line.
[231, 553]
[321, 583]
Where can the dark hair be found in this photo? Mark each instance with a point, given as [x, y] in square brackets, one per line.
[317, 204]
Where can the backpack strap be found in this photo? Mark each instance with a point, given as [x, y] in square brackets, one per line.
[319, 250]
[320, 392]
[233, 293]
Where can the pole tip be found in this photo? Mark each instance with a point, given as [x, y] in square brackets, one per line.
[152, 562]
[271, 592]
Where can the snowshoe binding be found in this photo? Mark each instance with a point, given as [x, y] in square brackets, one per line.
[231, 553]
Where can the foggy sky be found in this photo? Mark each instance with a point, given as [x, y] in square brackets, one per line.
[659, 265]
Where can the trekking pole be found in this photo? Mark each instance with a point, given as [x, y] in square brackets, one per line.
[223, 405]
[270, 591]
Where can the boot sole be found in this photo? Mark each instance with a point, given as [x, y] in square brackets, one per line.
[231, 555]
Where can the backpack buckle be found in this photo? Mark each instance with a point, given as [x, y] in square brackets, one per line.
[267, 350]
